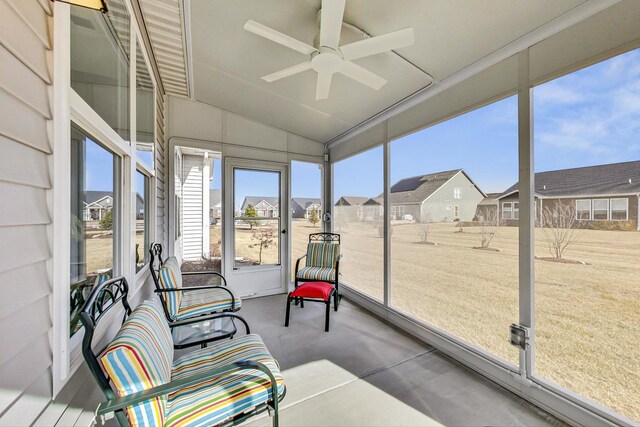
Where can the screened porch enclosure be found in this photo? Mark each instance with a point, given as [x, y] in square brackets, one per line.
[486, 192]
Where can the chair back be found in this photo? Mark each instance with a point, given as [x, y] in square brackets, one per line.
[323, 250]
[324, 237]
[103, 298]
[157, 265]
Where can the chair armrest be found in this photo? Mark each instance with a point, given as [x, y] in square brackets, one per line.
[211, 317]
[119, 403]
[201, 288]
[201, 273]
[298, 262]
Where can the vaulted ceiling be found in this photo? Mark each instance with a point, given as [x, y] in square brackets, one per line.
[225, 63]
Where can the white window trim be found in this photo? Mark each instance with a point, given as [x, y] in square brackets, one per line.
[70, 107]
[626, 209]
[457, 193]
[578, 210]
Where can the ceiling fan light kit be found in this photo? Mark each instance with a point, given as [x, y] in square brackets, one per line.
[328, 58]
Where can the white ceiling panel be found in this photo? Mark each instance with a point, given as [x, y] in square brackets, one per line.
[228, 62]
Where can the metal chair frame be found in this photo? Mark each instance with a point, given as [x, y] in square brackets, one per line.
[107, 296]
[322, 237]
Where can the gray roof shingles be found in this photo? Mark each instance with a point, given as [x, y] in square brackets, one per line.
[614, 178]
[417, 188]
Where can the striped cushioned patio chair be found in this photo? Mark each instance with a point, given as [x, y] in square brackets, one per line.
[322, 262]
[182, 303]
[224, 384]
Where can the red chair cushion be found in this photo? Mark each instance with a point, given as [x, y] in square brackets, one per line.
[320, 290]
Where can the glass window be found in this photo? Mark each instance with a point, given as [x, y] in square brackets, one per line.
[583, 209]
[142, 220]
[464, 283]
[619, 209]
[145, 104]
[587, 293]
[306, 208]
[516, 210]
[257, 218]
[601, 209]
[507, 210]
[357, 217]
[100, 55]
[95, 203]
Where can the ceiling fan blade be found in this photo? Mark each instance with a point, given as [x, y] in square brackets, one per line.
[323, 85]
[290, 71]
[378, 44]
[362, 75]
[276, 36]
[331, 22]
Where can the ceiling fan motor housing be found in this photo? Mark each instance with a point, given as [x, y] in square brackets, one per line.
[327, 60]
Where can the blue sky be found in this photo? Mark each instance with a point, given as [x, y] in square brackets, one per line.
[588, 117]
[585, 118]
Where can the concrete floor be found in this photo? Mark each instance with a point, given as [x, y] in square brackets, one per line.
[366, 372]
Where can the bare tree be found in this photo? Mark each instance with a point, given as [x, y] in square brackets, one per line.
[264, 237]
[560, 227]
[489, 222]
[423, 228]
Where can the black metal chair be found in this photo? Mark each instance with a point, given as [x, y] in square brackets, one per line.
[322, 263]
[103, 298]
[148, 384]
[183, 303]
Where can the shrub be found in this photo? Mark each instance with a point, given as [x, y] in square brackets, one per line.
[106, 223]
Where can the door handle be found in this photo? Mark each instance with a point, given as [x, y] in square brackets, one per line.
[284, 231]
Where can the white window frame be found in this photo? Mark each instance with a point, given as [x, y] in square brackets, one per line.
[579, 210]
[457, 193]
[70, 107]
[626, 200]
[593, 210]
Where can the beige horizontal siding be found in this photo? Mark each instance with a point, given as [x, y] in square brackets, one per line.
[25, 144]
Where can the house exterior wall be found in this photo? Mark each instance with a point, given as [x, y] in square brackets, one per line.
[192, 202]
[26, 228]
[543, 204]
[486, 211]
[25, 223]
[440, 207]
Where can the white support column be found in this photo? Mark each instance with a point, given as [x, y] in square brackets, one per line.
[527, 214]
[387, 218]
[327, 193]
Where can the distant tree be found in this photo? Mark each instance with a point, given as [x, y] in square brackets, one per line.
[314, 218]
[560, 227]
[264, 237]
[423, 228]
[489, 222]
[106, 223]
[251, 212]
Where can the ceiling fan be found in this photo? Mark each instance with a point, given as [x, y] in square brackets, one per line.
[327, 58]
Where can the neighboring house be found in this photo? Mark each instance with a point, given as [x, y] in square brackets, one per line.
[215, 206]
[488, 207]
[374, 209]
[303, 207]
[267, 207]
[436, 197]
[351, 207]
[600, 194]
[98, 203]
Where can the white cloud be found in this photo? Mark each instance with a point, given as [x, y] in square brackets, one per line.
[594, 111]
